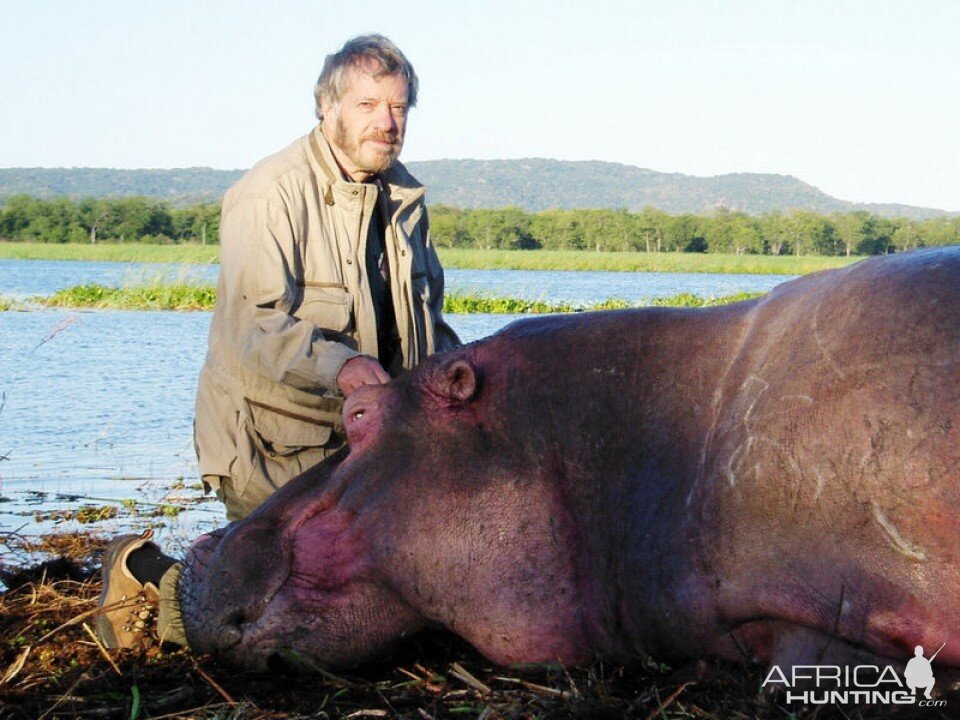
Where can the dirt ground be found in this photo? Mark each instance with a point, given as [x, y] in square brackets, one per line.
[52, 667]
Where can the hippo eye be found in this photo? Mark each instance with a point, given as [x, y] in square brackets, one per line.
[357, 415]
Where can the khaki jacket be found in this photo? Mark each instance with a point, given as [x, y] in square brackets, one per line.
[294, 304]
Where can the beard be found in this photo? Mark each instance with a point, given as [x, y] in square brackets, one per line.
[366, 157]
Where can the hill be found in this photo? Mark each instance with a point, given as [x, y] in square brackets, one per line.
[531, 183]
[180, 186]
[538, 184]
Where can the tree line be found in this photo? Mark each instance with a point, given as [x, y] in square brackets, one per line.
[133, 219]
[799, 232]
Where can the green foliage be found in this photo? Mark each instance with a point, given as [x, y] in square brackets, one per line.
[463, 303]
[85, 514]
[467, 258]
[114, 252]
[797, 232]
[179, 296]
[132, 219]
[691, 300]
[192, 297]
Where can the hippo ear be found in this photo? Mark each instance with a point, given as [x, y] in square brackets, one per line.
[456, 382]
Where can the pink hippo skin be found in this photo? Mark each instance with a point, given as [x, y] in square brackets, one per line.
[775, 480]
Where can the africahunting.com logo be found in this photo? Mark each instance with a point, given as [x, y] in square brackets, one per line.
[858, 684]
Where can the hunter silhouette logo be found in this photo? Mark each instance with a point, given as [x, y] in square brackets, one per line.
[862, 684]
[919, 672]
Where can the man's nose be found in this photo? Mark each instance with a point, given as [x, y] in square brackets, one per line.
[383, 118]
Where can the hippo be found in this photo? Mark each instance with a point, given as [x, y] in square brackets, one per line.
[775, 480]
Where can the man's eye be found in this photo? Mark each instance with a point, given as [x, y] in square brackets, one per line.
[399, 109]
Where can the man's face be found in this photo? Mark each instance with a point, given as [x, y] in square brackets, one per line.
[366, 129]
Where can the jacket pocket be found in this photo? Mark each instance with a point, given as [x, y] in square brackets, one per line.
[280, 433]
[328, 306]
[273, 447]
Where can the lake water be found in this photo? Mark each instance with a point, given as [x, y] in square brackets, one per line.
[23, 278]
[97, 406]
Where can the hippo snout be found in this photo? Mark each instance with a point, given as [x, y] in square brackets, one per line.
[228, 582]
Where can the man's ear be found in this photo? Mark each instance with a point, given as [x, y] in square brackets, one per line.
[456, 382]
[329, 111]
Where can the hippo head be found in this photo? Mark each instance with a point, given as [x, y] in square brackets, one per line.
[441, 513]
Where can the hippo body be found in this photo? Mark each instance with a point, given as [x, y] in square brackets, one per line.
[773, 480]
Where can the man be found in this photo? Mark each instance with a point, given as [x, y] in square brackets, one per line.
[328, 281]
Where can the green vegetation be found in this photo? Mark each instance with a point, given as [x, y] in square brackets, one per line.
[797, 232]
[463, 304]
[463, 258]
[111, 252]
[466, 258]
[459, 303]
[179, 296]
[134, 219]
[691, 300]
[85, 514]
[183, 296]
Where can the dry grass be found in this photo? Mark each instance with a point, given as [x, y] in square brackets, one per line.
[51, 667]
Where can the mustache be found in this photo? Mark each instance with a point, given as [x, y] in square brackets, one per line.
[392, 138]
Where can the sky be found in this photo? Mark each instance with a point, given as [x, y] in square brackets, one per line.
[860, 98]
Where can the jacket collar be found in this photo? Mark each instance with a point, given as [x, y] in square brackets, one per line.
[402, 188]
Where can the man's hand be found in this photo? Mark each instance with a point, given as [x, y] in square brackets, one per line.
[360, 370]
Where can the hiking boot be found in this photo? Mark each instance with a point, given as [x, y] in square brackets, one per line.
[129, 606]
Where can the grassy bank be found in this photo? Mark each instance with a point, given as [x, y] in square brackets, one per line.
[464, 258]
[637, 261]
[183, 296]
[111, 252]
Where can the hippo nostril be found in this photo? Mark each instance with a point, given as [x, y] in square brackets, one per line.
[229, 636]
[230, 633]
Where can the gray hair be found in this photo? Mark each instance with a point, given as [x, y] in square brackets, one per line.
[358, 51]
